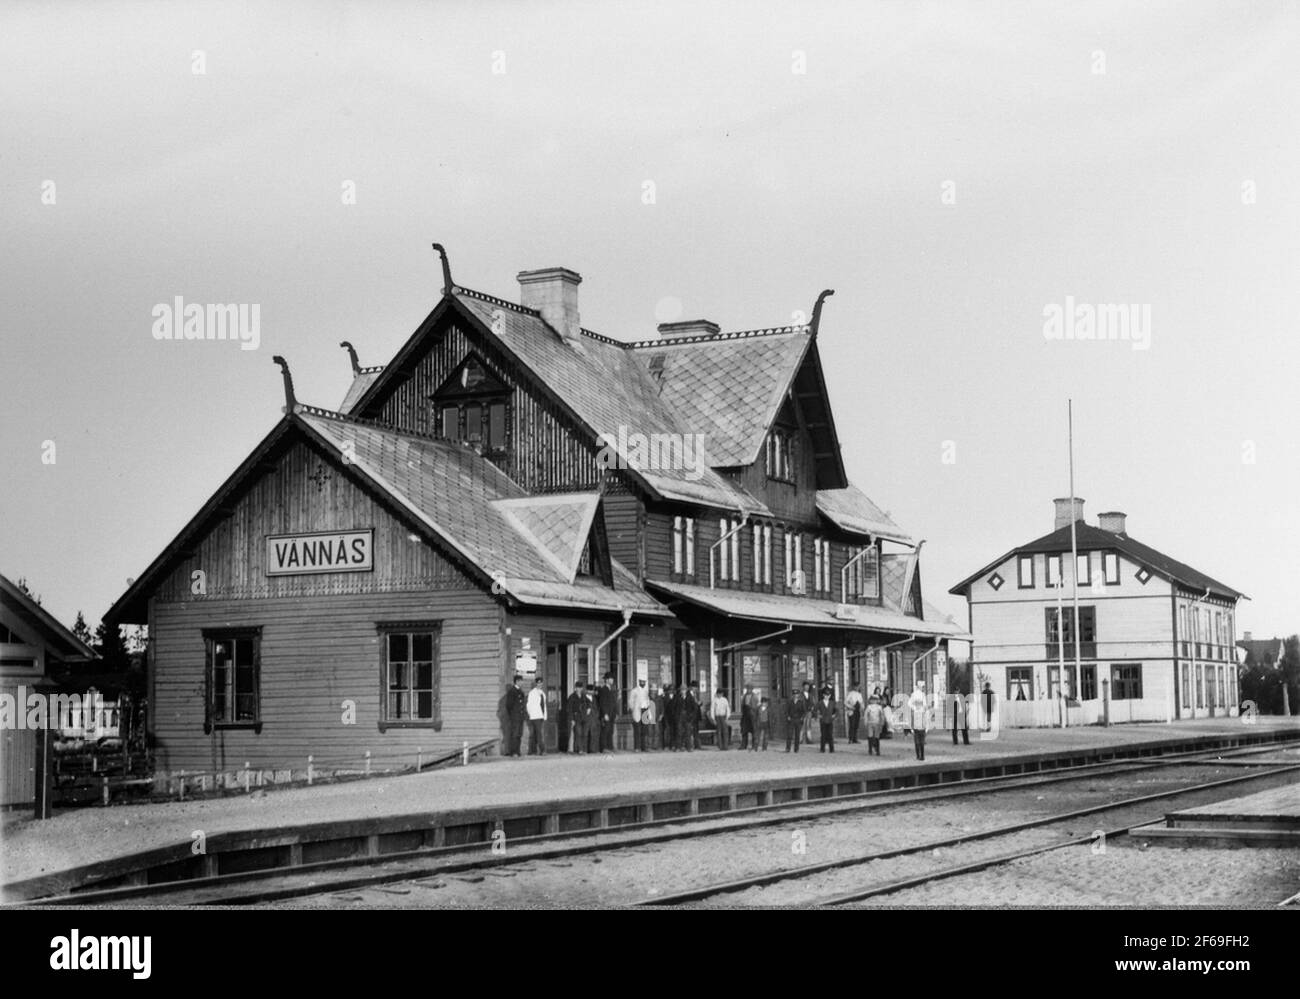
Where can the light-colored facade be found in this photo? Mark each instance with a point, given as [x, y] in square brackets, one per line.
[1156, 637]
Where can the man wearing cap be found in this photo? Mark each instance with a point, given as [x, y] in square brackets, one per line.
[688, 718]
[668, 719]
[537, 719]
[825, 711]
[795, 709]
[579, 712]
[515, 711]
[748, 702]
[607, 706]
[641, 708]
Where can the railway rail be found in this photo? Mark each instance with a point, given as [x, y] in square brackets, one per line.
[258, 887]
[704, 893]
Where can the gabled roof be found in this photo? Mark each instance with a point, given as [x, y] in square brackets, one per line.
[607, 387]
[729, 386]
[456, 498]
[851, 510]
[726, 388]
[43, 626]
[1266, 651]
[1091, 538]
[558, 525]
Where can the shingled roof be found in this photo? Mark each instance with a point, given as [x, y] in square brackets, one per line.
[466, 505]
[728, 386]
[608, 387]
[361, 382]
[1091, 538]
[850, 509]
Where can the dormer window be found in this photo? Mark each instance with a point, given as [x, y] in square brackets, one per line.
[473, 406]
[780, 454]
[584, 560]
[862, 578]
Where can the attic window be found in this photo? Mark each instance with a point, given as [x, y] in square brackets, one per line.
[473, 406]
[584, 560]
[780, 455]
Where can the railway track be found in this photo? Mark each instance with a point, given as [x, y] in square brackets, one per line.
[791, 875]
[258, 887]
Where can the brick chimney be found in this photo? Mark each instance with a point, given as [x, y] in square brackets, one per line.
[553, 292]
[1112, 521]
[688, 327]
[1246, 637]
[1063, 518]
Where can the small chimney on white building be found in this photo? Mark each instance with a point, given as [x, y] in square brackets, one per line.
[1063, 516]
[1112, 521]
[553, 292]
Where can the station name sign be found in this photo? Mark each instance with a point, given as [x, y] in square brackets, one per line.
[324, 551]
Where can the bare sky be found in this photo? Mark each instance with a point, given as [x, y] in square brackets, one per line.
[1168, 180]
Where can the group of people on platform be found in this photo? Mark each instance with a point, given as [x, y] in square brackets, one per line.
[671, 718]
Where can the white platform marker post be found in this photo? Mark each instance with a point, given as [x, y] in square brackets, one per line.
[367, 763]
[419, 758]
[309, 769]
[464, 754]
[245, 776]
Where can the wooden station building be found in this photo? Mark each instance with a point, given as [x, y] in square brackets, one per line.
[514, 493]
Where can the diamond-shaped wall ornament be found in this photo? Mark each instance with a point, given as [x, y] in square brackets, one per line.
[996, 581]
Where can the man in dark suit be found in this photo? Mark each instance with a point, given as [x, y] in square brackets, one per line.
[516, 709]
[668, 719]
[795, 710]
[688, 719]
[580, 712]
[825, 711]
[607, 705]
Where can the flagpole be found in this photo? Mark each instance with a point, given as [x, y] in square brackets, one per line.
[1074, 554]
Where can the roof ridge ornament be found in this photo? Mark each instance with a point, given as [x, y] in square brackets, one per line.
[352, 353]
[817, 312]
[447, 285]
[290, 404]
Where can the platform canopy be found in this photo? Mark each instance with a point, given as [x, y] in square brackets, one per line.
[802, 612]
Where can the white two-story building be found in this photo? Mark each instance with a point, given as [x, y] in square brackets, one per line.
[1155, 636]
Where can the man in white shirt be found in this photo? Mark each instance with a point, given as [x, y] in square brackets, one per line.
[641, 708]
[919, 715]
[537, 719]
[853, 705]
[721, 712]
